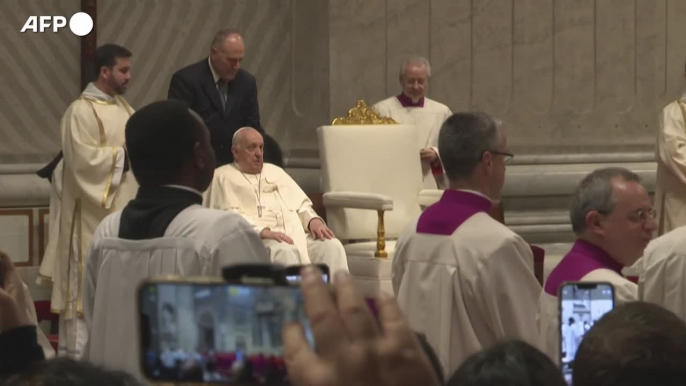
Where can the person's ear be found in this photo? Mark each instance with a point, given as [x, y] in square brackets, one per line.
[594, 222]
[199, 155]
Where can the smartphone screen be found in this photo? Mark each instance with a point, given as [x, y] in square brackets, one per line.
[581, 305]
[293, 273]
[217, 333]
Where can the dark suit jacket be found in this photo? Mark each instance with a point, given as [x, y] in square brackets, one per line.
[195, 85]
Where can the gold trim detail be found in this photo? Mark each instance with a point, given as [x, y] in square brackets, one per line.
[101, 128]
[125, 105]
[381, 238]
[362, 114]
[115, 150]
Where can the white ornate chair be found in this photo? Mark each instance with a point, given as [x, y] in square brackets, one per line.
[372, 184]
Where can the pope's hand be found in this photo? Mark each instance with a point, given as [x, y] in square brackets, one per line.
[278, 236]
[319, 230]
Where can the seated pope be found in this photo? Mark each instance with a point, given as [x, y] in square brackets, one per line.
[273, 203]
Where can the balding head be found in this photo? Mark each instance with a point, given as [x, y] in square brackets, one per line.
[247, 148]
[226, 53]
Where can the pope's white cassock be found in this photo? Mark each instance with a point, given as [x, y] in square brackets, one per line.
[670, 183]
[465, 280]
[272, 199]
[428, 117]
[94, 185]
[164, 231]
[663, 280]
[584, 262]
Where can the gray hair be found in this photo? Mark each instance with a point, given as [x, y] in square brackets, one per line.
[237, 137]
[594, 193]
[415, 61]
[463, 139]
[222, 34]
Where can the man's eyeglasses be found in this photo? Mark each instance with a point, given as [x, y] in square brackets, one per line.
[508, 156]
[637, 216]
[642, 215]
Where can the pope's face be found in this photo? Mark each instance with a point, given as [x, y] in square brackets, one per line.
[415, 81]
[248, 154]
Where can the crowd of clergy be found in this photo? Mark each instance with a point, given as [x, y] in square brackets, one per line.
[139, 194]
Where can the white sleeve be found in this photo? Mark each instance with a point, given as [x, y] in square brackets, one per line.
[508, 292]
[243, 245]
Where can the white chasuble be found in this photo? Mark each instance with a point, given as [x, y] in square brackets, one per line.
[93, 185]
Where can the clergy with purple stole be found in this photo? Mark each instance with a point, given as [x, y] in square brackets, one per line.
[412, 107]
[463, 279]
[613, 219]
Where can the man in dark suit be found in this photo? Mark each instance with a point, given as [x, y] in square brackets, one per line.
[220, 91]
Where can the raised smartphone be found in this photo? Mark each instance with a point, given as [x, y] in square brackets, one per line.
[581, 305]
[293, 273]
[216, 332]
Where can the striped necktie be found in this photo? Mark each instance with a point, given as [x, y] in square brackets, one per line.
[222, 87]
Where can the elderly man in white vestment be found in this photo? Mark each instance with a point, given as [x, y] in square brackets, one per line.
[165, 230]
[95, 183]
[412, 107]
[613, 219]
[670, 183]
[462, 278]
[273, 203]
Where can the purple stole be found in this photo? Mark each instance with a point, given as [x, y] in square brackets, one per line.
[406, 101]
[581, 260]
[452, 210]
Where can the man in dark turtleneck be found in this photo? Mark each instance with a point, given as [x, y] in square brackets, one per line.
[163, 231]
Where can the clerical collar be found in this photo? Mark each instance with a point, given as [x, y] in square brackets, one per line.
[149, 214]
[188, 188]
[95, 93]
[406, 101]
[475, 192]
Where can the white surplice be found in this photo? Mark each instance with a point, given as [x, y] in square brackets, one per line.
[198, 242]
[428, 119]
[272, 199]
[663, 280]
[468, 290]
[93, 185]
[670, 183]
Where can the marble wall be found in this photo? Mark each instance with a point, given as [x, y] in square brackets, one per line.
[569, 76]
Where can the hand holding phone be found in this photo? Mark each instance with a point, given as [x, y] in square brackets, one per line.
[343, 328]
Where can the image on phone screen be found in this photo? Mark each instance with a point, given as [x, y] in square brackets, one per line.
[293, 273]
[581, 305]
[217, 333]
